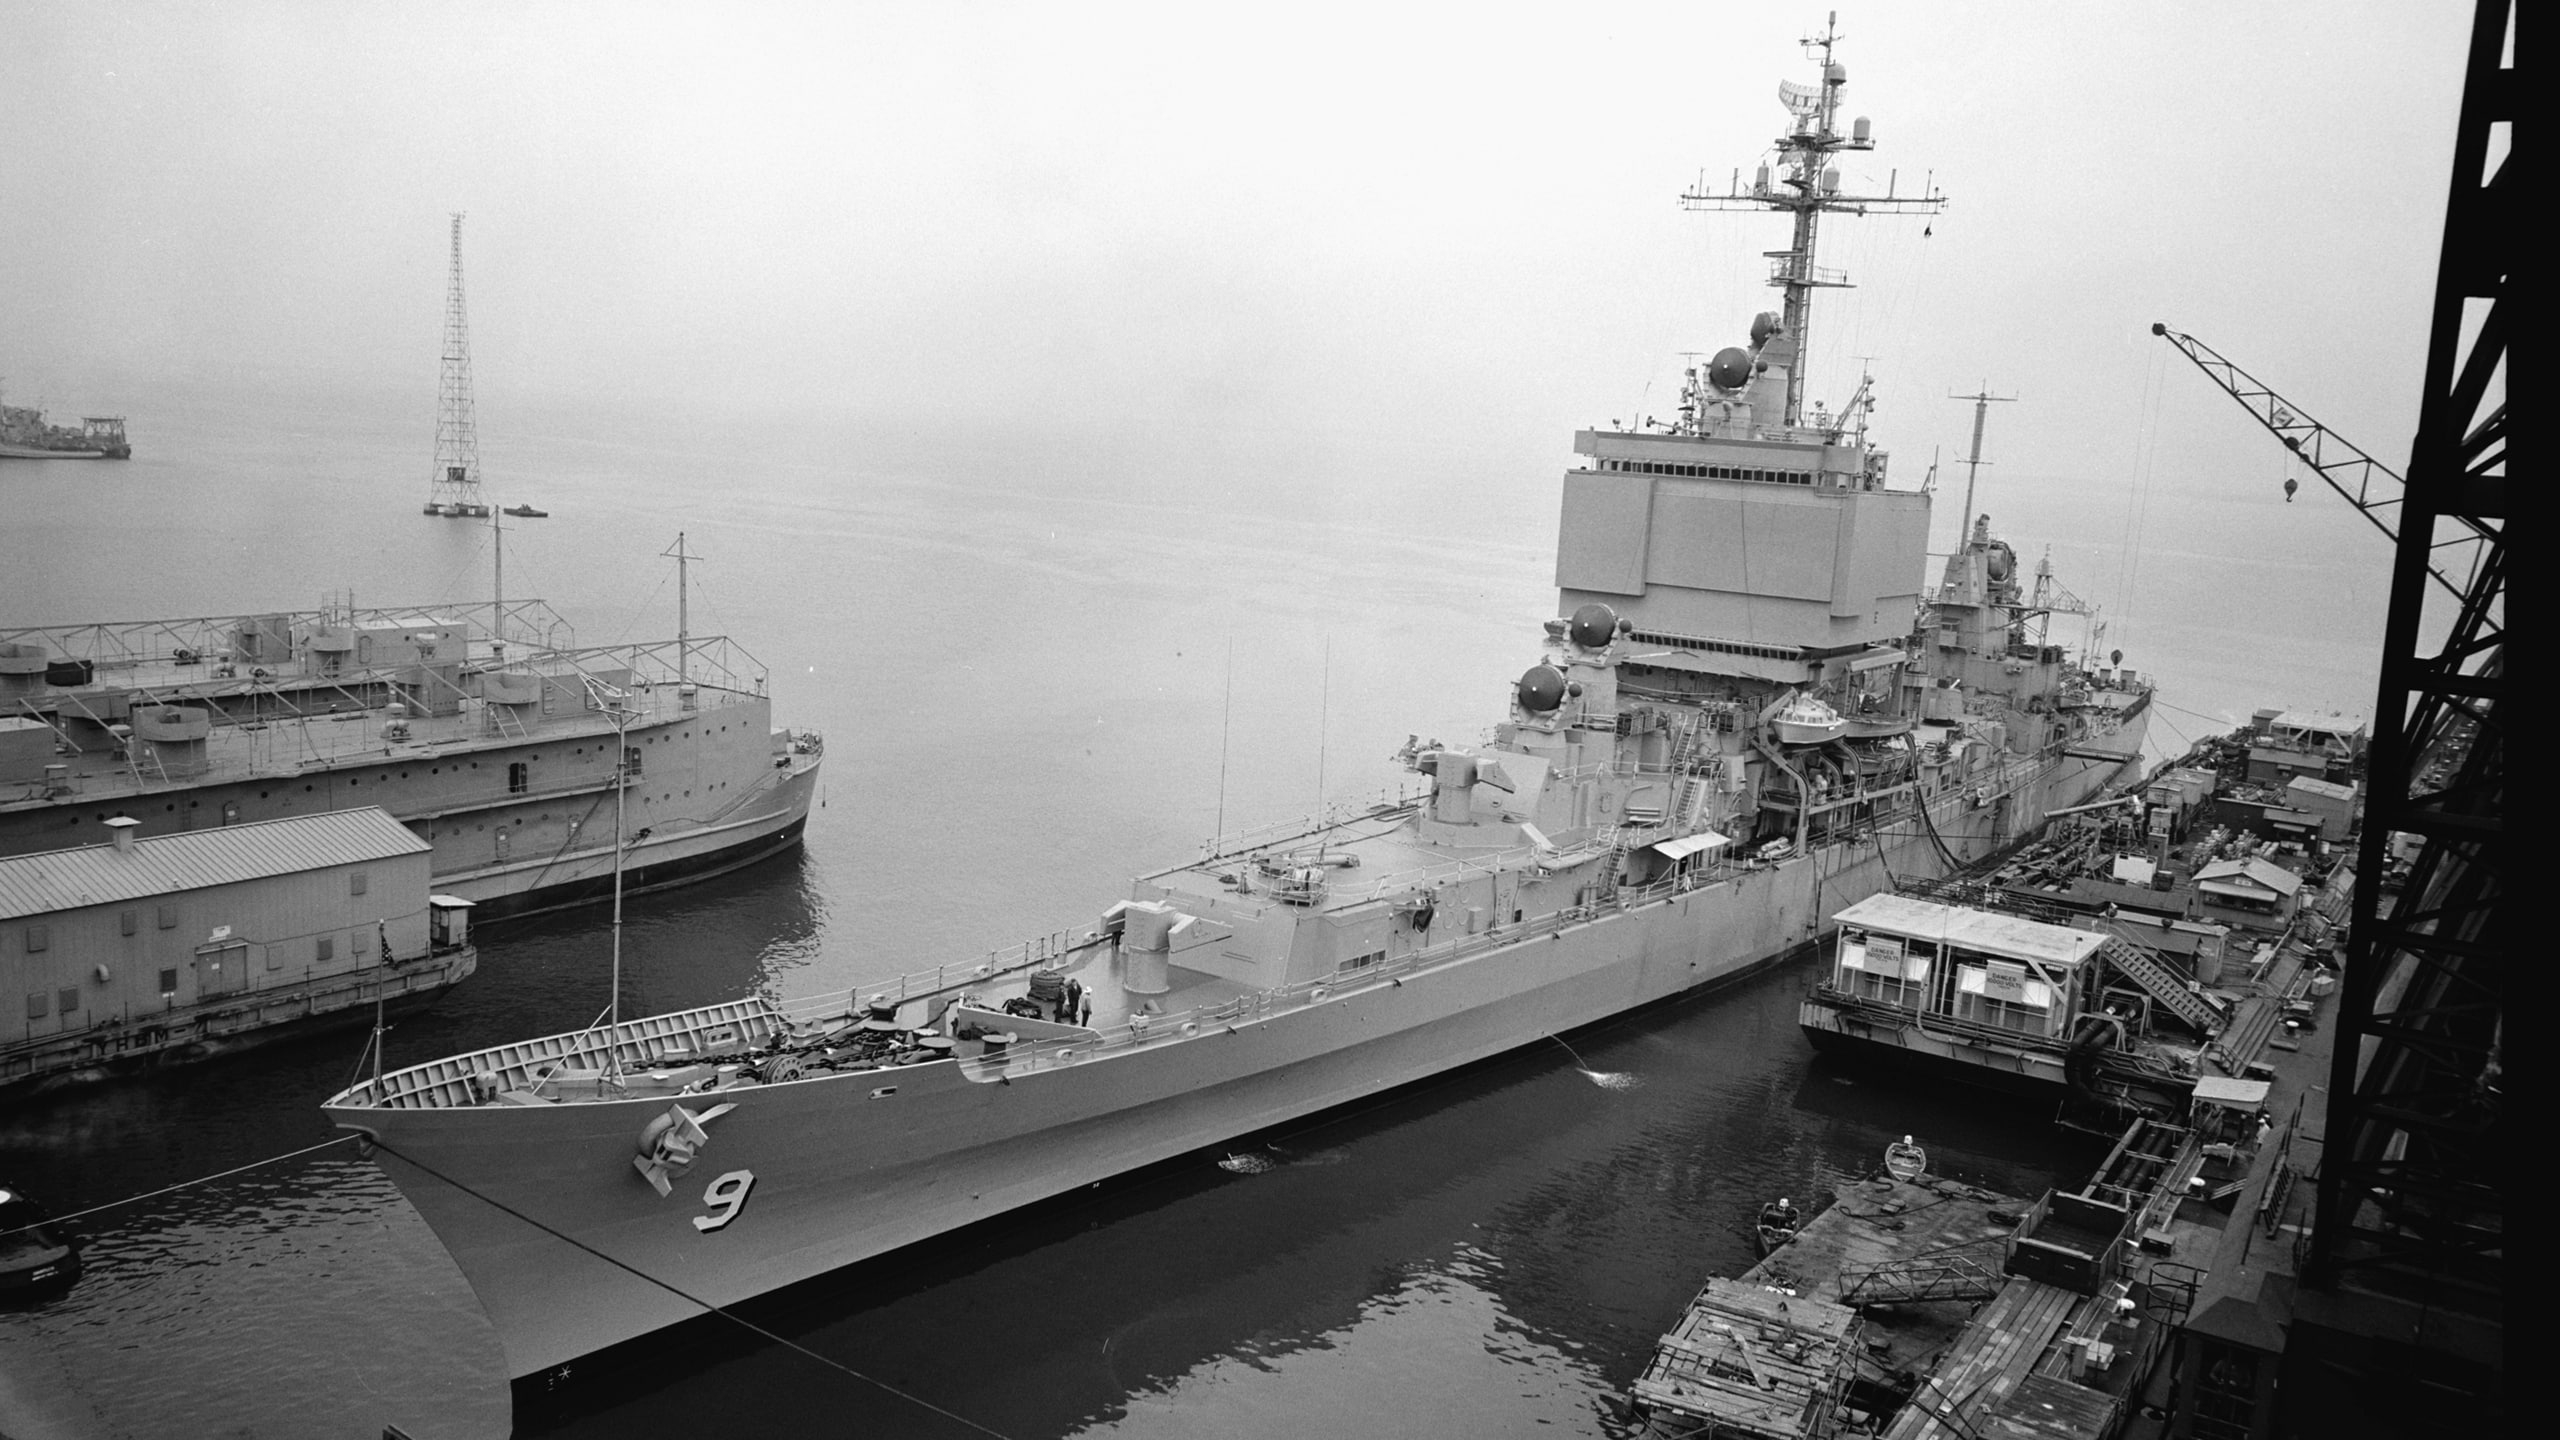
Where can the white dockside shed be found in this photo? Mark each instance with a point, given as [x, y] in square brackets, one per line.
[132, 934]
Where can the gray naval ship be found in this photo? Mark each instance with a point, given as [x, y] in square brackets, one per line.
[1753, 711]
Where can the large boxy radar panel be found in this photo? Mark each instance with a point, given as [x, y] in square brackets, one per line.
[1772, 544]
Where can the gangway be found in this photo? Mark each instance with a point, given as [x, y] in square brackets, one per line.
[2163, 984]
[1963, 1272]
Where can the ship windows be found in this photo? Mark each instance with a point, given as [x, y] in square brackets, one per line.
[323, 950]
[128, 921]
[168, 983]
[36, 1006]
[356, 882]
[38, 938]
[519, 777]
[1363, 962]
[168, 917]
[67, 1000]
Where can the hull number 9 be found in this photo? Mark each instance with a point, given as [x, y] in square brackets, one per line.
[726, 1197]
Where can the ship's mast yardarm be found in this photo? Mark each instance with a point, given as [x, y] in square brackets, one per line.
[1806, 184]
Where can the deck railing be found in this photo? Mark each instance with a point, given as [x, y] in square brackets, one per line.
[586, 1059]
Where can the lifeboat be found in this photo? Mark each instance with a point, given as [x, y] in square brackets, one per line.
[1807, 721]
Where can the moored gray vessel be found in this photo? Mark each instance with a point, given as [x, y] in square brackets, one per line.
[1717, 746]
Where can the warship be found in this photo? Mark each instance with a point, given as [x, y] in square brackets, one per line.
[1750, 711]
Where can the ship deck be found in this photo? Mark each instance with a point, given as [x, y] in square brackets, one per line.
[290, 723]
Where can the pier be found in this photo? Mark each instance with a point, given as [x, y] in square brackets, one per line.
[1931, 1309]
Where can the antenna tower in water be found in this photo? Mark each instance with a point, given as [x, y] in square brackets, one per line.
[455, 488]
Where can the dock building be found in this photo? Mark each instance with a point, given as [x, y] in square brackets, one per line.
[146, 949]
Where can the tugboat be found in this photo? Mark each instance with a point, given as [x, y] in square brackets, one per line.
[1637, 825]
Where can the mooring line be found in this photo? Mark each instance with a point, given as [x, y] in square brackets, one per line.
[183, 1185]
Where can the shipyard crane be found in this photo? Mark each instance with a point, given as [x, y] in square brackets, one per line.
[2375, 489]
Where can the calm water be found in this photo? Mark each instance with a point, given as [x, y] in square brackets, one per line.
[1042, 662]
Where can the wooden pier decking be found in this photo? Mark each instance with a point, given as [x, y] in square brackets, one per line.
[2004, 1319]
[1885, 1235]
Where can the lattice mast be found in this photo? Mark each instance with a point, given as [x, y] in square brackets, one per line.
[455, 487]
[1806, 184]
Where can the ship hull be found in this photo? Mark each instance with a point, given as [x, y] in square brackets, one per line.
[541, 1207]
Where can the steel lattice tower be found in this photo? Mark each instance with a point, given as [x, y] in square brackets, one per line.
[455, 487]
[2410, 1210]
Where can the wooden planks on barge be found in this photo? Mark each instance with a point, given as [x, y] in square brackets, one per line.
[1987, 1363]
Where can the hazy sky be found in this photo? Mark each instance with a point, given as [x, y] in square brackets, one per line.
[1384, 223]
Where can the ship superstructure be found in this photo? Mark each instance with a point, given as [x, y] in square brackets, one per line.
[505, 754]
[1751, 710]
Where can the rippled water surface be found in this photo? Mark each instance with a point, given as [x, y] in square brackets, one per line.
[1041, 666]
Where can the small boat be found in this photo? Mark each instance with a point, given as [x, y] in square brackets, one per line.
[1905, 1160]
[1807, 721]
[1779, 1222]
[528, 512]
[36, 1257]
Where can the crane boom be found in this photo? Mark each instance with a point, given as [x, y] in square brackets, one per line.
[2372, 487]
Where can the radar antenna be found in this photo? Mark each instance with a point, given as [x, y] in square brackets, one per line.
[1808, 186]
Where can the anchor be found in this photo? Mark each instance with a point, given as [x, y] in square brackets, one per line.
[669, 1143]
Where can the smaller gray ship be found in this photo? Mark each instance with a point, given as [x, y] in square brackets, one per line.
[26, 435]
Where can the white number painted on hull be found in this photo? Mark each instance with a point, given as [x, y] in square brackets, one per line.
[727, 1196]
